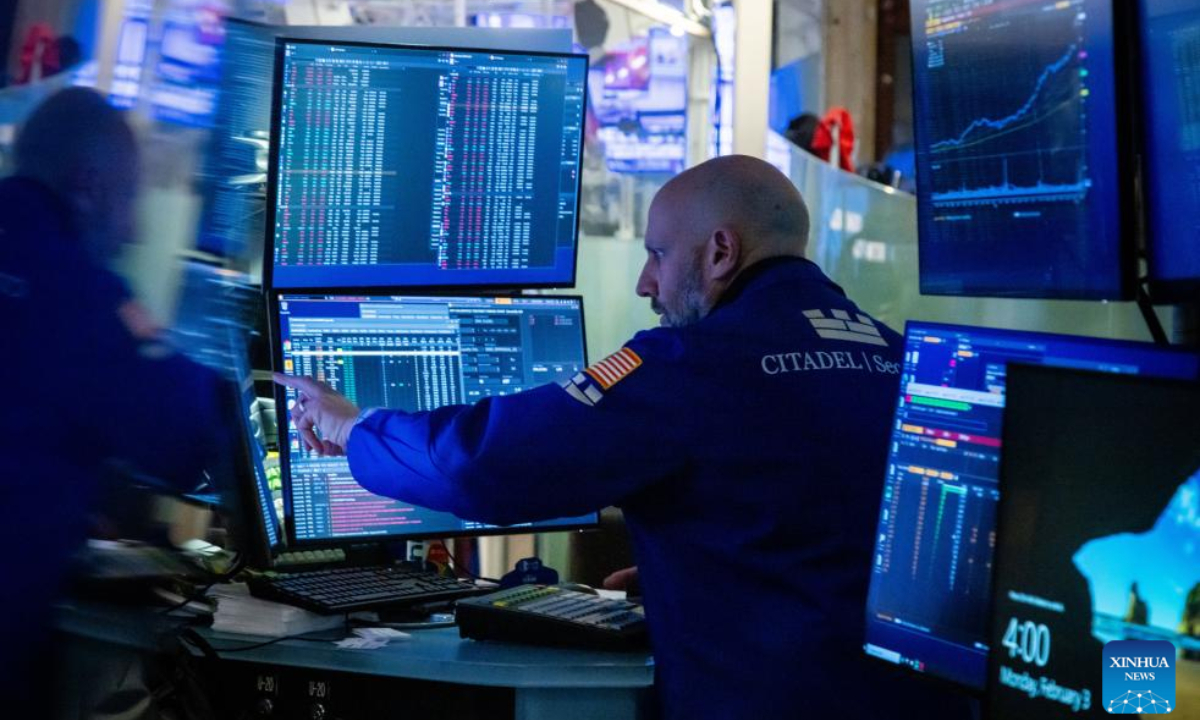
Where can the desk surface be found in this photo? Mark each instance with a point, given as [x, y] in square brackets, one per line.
[437, 654]
[440, 655]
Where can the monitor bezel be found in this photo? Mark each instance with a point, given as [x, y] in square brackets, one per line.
[868, 619]
[283, 422]
[268, 268]
[260, 552]
[1126, 151]
[988, 698]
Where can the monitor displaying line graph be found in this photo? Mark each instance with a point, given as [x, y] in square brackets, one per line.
[1018, 168]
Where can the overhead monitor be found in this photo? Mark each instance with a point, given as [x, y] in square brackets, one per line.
[1024, 178]
[928, 600]
[1171, 120]
[400, 167]
[410, 353]
[1097, 591]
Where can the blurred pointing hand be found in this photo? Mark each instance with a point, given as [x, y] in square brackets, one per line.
[321, 415]
[623, 580]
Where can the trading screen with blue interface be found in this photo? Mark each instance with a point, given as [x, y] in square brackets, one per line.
[1171, 82]
[402, 166]
[1020, 187]
[932, 569]
[410, 353]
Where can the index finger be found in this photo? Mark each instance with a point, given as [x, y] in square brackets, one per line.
[297, 382]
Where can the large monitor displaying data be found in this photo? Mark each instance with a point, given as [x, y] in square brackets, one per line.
[1097, 592]
[1170, 49]
[401, 167]
[928, 599]
[410, 353]
[1023, 176]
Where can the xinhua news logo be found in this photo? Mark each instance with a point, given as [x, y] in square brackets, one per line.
[1139, 677]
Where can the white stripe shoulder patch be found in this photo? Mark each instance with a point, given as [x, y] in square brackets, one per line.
[839, 325]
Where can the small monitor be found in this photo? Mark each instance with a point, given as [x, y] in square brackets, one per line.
[1099, 534]
[927, 606]
[213, 320]
[410, 353]
[1024, 176]
[261, 535]
[400, 167]
[1170, 43]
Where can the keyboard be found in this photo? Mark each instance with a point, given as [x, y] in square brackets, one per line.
[301, 560]
[550, 615]
[353, 589]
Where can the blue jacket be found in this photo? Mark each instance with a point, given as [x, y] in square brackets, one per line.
[747, 451]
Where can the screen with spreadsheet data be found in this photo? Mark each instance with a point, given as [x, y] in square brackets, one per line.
[397, 166]
[932, 570]
[410, 353]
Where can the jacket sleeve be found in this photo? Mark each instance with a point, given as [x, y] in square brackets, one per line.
[554, 451]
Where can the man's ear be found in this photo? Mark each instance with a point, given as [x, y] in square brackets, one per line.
[724, 254]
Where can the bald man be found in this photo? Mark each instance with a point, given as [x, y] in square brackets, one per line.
[745, 441]
[89, 392]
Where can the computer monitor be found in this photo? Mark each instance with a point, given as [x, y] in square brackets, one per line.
[234, 178]
[260, 537]
[927, 606]
[1099, 533]
[232, 221]
[214, 318]
[1024, 174]
[1170, 55]
[400, 167]
[409, 353]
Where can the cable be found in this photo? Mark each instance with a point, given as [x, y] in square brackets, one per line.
[459, 567]
[210, 650]
[1144, 304]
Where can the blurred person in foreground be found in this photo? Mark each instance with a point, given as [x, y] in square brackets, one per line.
[92, 392]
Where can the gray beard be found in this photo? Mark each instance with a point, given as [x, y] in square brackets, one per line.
[694, 304]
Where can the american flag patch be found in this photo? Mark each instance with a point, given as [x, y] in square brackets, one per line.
[588, 386]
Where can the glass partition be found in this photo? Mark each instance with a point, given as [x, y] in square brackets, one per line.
[864, 235]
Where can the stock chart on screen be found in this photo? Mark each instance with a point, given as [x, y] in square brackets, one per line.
[1017, 148]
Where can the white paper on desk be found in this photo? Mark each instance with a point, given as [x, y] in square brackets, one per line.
[381, 633]
[239, 612]
[361, 643]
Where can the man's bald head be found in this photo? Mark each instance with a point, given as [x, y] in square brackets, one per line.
[710, 223]
[80, 147]
[745, 194]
